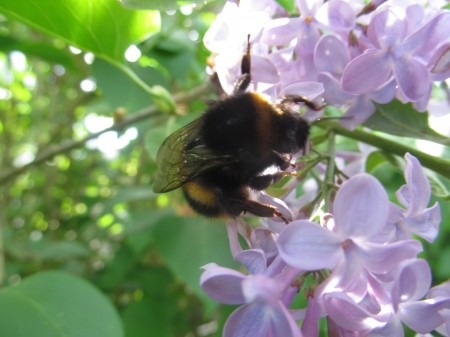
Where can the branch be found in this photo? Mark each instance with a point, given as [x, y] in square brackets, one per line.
[138, 116]
[438, 165]
[329, 174]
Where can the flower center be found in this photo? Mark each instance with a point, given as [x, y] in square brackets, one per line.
[345, 243]
[309, 19]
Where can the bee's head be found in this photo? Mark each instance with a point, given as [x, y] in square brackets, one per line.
[293, 132]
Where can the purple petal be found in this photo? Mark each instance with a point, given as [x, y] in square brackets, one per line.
[349, 274]
[441, 290]
[388, 233]
[304, 65]
[382, 258]
[346, 313]
[418, 185]
[384, 94]
[281, 31]
[422, 104]
[265, 239]
[422, 316]
[424, 224]
[361, 208]
[233, 237]
[308, 7]
[412, 77]
[307, 39]
[260, 319]
[429, 36]
[358, 112]
[366, 72]
[223, 285]
[331, 55]
[309, 246]
[309, 89]
[252, 259]
[333, 93]
[402, 195]
[415, 14]
[387, 28]
[217, 35]
[310, 326]
[264, 198]
[393, 328]
[263, 70]
[282, 58]
[336, 15]
[440, 63]
[260, 288]
[413, 282]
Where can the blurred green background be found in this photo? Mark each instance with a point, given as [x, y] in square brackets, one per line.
[86, 247]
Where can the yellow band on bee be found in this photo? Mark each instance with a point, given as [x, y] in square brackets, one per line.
[200, 194]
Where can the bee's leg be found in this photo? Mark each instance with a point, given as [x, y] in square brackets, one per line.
[263, 210]
[236, 206]
[301, 99]
[243, 83]
[281, 161]
[260, 183]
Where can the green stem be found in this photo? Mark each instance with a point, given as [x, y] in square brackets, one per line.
[438, 165]
[329, 174]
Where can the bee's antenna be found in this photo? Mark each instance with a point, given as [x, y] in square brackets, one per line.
[243, 83]
[248, 44]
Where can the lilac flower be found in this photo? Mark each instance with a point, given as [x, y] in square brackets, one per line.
[442, 293]
[227, 36]
[337, 15]
[331, 57]
[415, 195]
[263, 312]
[360, 212]
[396, 53]
[411, 285]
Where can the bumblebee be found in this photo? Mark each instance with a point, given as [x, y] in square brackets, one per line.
[220, 157]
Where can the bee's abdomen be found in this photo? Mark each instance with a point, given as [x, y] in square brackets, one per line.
[202, 200]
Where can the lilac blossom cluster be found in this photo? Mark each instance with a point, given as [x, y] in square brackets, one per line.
[359, 53]
[360, 259]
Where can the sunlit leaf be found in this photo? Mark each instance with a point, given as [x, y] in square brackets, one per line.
[161, 5]
[103, 27]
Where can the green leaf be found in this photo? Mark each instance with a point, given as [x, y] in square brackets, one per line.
[187, 244]
[103, 27]
[377, 158]
[160, 5]
[373, 160]
[57, 304]
[64, 250]
[437, 187]
[403, 120]
[120, 90]
[155, 312]
[288, 5]
[43, 50]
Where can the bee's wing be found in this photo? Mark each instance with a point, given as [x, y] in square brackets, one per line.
[177, 164]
